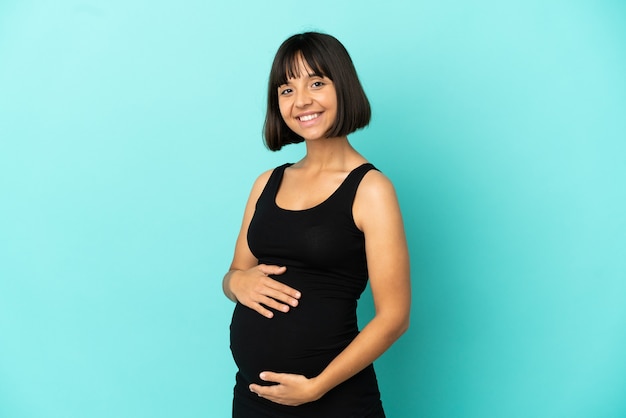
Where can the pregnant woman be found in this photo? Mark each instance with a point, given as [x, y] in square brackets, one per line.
[313, 233]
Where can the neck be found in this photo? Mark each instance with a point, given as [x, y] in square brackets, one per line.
[329, 153]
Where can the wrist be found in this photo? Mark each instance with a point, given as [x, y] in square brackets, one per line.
[227, 285]
[318, 388]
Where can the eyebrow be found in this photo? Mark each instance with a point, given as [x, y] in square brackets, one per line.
[309, 76]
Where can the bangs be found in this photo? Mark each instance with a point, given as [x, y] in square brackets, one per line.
[288, 64]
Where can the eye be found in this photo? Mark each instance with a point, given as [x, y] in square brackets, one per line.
[284, 92]
[317, 84]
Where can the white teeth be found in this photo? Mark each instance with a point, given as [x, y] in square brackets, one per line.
[307, 118]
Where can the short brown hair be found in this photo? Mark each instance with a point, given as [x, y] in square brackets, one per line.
[327, 57]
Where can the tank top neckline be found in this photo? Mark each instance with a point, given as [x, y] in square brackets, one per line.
[279, 181]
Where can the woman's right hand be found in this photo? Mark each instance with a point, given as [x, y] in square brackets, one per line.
[254, 289]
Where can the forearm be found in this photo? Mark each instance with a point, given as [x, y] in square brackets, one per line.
[379, 334]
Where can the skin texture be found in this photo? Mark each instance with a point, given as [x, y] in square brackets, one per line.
[376, 212]
[308, 96]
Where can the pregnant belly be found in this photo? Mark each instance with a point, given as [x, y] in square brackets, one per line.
[301, 341]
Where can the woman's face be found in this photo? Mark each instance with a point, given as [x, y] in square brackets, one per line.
[308, 103]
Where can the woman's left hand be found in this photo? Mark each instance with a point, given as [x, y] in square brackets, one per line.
[291, 389]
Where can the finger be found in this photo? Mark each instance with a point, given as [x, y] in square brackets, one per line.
[275, 284]
[262, 303]
[282, 288]
[274, 377]
[275, 393]
[272, 391]
[263, 392]
[265, 302]
[271, 269]
[280, 297]
[260, 390]
[268, 302]
[263, 310]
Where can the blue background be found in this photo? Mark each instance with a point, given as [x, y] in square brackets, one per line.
[130, 138]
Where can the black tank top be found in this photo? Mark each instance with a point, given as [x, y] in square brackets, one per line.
[324, 253]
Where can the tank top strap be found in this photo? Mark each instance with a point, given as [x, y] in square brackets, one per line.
[351, 183]
[273, 183]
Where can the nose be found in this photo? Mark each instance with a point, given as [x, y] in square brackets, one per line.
[303, 98]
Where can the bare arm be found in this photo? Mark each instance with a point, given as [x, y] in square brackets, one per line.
[377, 213]
[247, 281]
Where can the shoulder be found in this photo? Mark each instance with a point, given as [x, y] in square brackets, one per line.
[375, 199]
[375, 185]
[262, 179]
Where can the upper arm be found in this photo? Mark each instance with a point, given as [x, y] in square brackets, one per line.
[243, 258]
[377, 213]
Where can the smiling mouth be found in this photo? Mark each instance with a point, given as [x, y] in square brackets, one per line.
[307, 118]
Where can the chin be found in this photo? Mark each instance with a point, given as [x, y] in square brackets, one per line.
[314, 138]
